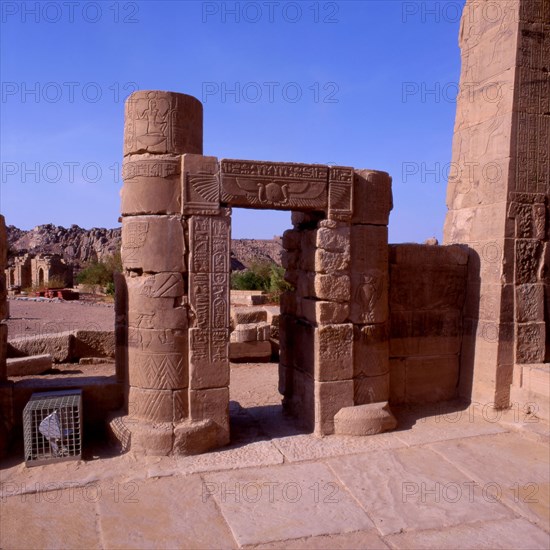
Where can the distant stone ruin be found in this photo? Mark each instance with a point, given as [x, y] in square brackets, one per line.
[38, 271]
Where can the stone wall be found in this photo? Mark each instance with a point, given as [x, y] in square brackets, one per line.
[427, 291]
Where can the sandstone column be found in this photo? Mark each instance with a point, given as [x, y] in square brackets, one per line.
[3, 300]
[152, 301]
[6, 401]
[498, 193]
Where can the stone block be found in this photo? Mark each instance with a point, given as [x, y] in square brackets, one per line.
[333, 352]
[302, 403]
[210, 243]
[372, 197]
[370, 350]
[27, 366]
[340, 203]
[94, 343]
[150, 438]
[335, 239]
[292, 239]
[157, 370]
[288, 303]
[306, 220]
[250, 352]
[58, 345]
[304, 348]
[531, 342]
[157, 405]
[425, 333]
[369, 297]
[372, 389]
[335, 288]
[210, 404]
[245, 333]
[151, 185]
[192, 438]
[285, 380]
[530, 303]
[286, 337]
[330, 397]
[153, 244]
[419, 254]
[397, 380]
[208, 358]
[362, 420]
[331, 262]
[162, 122]
[245, 315]
[201, 185]
[274, 185]
[431, 379]
[290, 259]
[324, 313]
[421, 286]
[3, 350]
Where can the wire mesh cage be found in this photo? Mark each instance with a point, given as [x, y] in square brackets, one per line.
[52, 427]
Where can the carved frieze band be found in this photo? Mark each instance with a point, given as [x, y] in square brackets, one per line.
[276, 185]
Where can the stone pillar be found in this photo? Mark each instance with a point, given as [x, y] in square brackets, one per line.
[3, 300]
[6, 399]
[152, 299]
[334, 370]
[498, 192]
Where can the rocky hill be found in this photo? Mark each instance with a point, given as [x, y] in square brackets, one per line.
[79, 246]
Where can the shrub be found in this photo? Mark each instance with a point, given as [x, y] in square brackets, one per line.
[101, 273]
[265, 276]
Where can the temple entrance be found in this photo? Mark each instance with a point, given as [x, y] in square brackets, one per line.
[40, 277]
[175, 305]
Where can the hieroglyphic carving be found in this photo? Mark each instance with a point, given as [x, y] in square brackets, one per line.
[134, 236]
[529, 211]
[284, 186]
[201, 185]
[162, 122]
[210, 244]
[208, 346]
[150, 168]
[340, 193]
[368, 292]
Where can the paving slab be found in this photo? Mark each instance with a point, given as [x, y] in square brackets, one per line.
[414, 488]
[59, 518]
[293, 501]
[421, 425]
[514, 470]
[161, 513]
[345, 541]
[260, 453]
[510, 534]
[299, 448]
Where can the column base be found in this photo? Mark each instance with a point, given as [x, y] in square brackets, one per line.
[370, 419]
[165, 438]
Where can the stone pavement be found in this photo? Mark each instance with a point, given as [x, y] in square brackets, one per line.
[449, 477]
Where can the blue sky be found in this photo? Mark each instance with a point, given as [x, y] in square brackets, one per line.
[369, 84]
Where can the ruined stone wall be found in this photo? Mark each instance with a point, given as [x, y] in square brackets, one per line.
[427, 291]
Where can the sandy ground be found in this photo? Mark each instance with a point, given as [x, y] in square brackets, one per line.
[29, 318]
